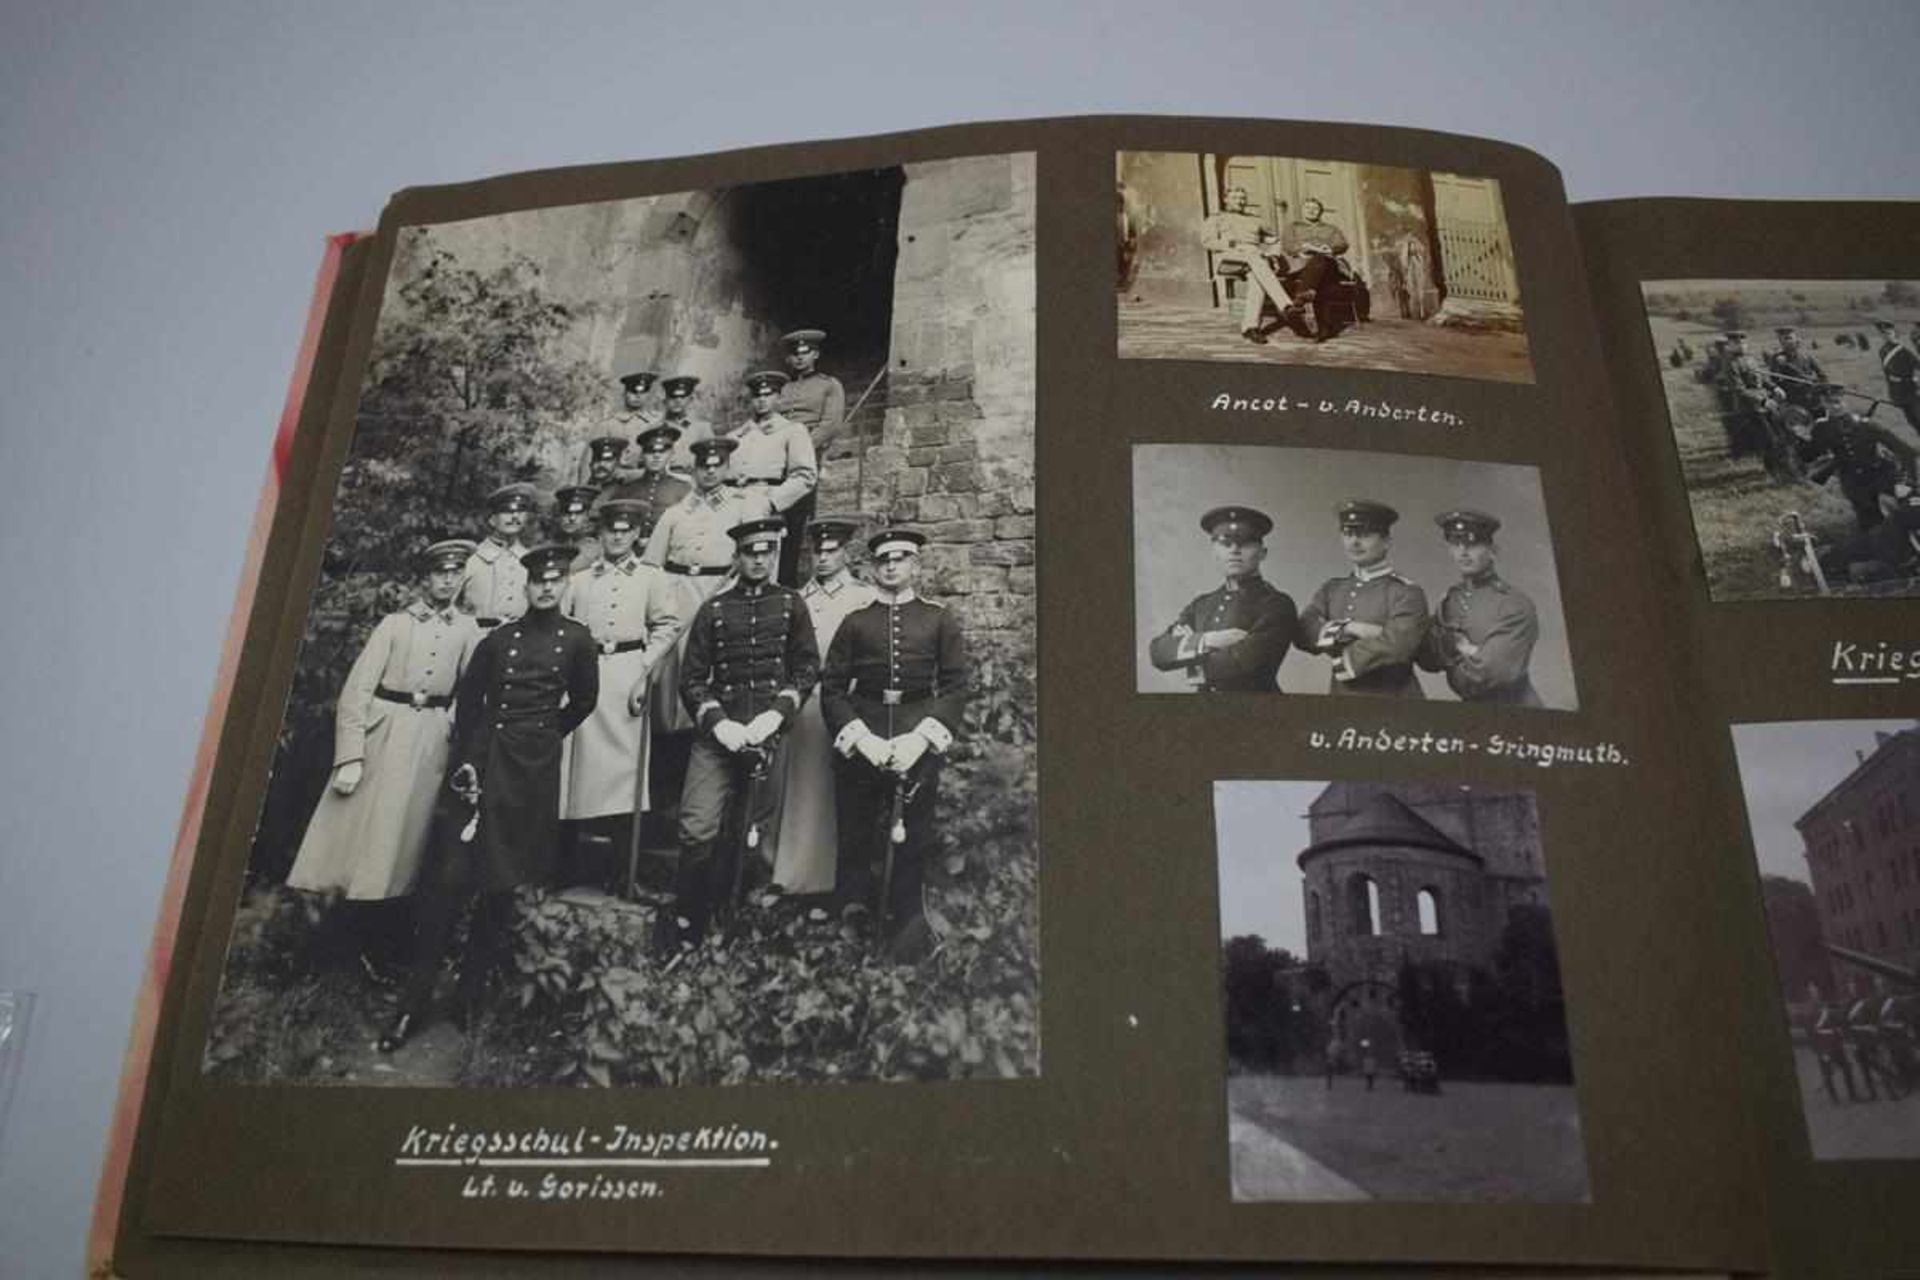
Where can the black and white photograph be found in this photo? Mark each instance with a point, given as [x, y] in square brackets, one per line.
[1338, 263]
[1277, 570]
[1396, 1027]
[1834, 810]
[665, 712]
[1795, 411]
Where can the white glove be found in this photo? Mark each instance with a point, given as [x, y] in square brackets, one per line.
[875, 750]
[763, 726]
[730, 734]
[907, 750]
[347, 777]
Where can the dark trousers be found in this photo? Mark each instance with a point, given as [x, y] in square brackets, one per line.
[453, 883]
[863, 800]
[797, 516]
[720, 783]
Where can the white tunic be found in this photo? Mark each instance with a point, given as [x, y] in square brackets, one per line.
[633, 603]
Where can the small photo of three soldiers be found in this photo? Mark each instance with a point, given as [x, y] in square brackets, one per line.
[543, 697]
[1370, 629]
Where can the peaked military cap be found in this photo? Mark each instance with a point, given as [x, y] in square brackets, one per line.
[713, 447]
[1363, 515]
[763, 534]
[622, 513]
[828, 532]
[449, 553]
[518, 496]
[575, 498]
[1463, 524]
[761, 381]
[1720, 341]
[1883, 323]
[1736, 335]
[602, 448]
[549, 561]
[804, 339]
[891, 543]
[1241, 524]
[1785, 331]
[660, 437]
[680, 384]
[639, 379]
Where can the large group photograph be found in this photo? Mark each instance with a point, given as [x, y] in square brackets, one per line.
[1265, 569]
[1284, 260]
[1396, 1025]
[1833, 807]
[1795, 412]
[665, 710]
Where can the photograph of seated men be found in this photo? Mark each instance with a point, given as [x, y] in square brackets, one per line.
[1325, 262]
[1434, 580]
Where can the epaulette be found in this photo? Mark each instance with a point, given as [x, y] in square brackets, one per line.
[420, 611]
[488, 551]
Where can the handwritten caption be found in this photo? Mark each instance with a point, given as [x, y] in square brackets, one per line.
[1494, 746]
[564, 1166]
[1856, 663]
[1353, 407]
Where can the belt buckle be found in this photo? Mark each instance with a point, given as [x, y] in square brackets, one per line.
[890, 697]
[419, 699]
[607, 647]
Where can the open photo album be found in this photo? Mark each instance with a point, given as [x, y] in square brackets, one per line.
[1123, 690]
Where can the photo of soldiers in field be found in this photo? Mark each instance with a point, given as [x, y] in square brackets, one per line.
[1795, 411]
[665, 709]
[1396, 1028]
[1268, 570]
[1285, 260]
[1833, 807]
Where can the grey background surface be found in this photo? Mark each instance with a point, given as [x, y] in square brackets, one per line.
[170, 172]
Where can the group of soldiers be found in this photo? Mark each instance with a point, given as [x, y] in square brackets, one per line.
[655, 663]
[1785, 409]
[1300, 274]
[1870, 1044]
[1372, 626]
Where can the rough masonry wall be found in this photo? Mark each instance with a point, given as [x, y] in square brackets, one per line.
[955, 457]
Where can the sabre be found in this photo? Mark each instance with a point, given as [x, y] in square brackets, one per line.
[896, 837]
[465, 783]
[757, 759]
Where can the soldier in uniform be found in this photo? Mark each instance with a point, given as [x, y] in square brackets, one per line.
[1869, 461]
[1795, 371]
[494, 587]
[633, 417]
[1751, 397]
[750, 664]
[1830, 1049]
[893, 693]
[529, 684]
[628, 608]
[1233, 638]
[806, 840]
[657, 487]
[776, 456]
[811, 398]
[1370, 622]
[1236, 234]
[1314, 246]
[1901, 366]
[573, 522]
[687, 428]
[691, 543]
[1483, 634]
[366, 838]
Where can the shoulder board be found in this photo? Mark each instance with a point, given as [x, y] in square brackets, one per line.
[1401, 578]
[488, 552]
[418, 611]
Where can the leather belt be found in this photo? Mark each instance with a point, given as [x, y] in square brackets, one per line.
[413, 699]
[904, 697]
[698, 570]
[610, 647]
[488, 624]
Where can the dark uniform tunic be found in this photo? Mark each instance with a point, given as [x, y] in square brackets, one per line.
[1382, 664]
[656, 491]
[529, 684]
[750, 649]
[1866, 458]
[896, 666]
[1502, 624]
[1799, 376]
[1902, 368]
[1249, 604]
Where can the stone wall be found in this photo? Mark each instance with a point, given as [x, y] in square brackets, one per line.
[954, 457]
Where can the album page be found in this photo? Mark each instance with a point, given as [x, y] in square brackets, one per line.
[1764, 358]
[1095, 688]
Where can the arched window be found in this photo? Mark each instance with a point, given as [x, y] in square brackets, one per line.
[1429, 903]
[1363, 905]
[1313, 916]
